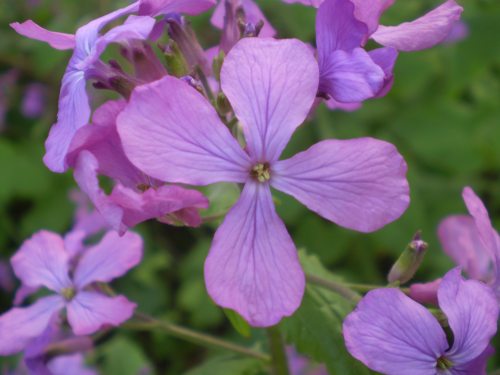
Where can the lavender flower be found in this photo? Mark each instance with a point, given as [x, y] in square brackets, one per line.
[34, 100]
[97, 150]
[392, 334]
[472, 242]
[42, 261]
[170, 132]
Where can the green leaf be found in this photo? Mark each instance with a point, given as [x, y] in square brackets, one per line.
[238, 323]
[228, 365]
[316, 328]
[122, 356]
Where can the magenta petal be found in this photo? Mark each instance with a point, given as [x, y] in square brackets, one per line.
[112, 257]
[425, 292]
[391, 333]
[56, 40]
[271, 85]
[73, 364]
[460, 240]
[20, 325]
[88, 312]
[252, 266]
[86, 177]
[351, 77]
[42, 261]
[157, 203]
[472, 312]
[337, 29]
[424, 32]
[157, 7]
[385, 58]
[359, 184]
[168, 129]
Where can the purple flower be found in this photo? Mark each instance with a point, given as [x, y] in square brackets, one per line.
[136, 197]
[171, 132]
[392, 334]
[162, 7]
[472, 242]
[349, 74]
[300, 365]
[314, 3]
[88, 45]
[42, 261]
[34, 100]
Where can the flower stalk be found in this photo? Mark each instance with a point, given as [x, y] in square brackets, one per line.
[278, 355]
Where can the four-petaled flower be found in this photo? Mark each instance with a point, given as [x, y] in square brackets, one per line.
[392, 334]
[171, 132]
[43, 261]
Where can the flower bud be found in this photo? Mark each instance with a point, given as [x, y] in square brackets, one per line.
[408, 262]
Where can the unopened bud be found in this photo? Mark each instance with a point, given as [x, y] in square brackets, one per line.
[222, 104]
[409, 261]
[217, 64]
[176, 63]
[194, 83]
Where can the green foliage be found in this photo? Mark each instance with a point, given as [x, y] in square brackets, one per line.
[228, 365]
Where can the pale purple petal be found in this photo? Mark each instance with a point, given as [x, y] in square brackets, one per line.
[359, 184]
[460, 240]
[172, 133]
[337, 29]
[22, 293]
[88, 312]
[393, 334]
[73, 364]
[369, 12]
[112, 257]
[459, 32]
[33, 103]
[253, 15]
[476, 366]
[252, 266]
[102, 140]
[157, 7]
[42, 261]
[20, 325]
[86, 176]
[425, 292]
[385, 58]
[56, 40]
[351, 77]
[424, 32]
[347, 107]
[74, 112]
[271, 85]
[472, 312]
[158, 203]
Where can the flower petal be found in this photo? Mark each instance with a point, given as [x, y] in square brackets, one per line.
[56, 40]
[42, 261]
[369, 12]
[112, 257]
[351, 77]
[460, 240]
[86, 177]
[171, 132]
[20, 325]
[74, 112]
[385, 58]
[359, 184]
[424, 32]
[88, 312]
[337, 29]
[393, 334]
[157, 203]
[472, 312]
[425, 292]
[73, 364]
[271, 85]
[314, 3]
[476, 366]
[252, 266]
[157, 7]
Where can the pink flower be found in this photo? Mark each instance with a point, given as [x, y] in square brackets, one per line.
[42, 261]
[172, 133]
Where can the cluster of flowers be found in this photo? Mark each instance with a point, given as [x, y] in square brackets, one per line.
[226, 115]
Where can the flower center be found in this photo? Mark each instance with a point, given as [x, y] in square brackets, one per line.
[68, 293]
[444, 363]
[261, 172]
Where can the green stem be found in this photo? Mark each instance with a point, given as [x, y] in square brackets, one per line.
[146, 322]
[206, 85]
[334, 286]
[363, 288]
[279, 359]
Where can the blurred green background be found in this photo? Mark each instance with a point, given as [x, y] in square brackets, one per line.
[443, 114]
